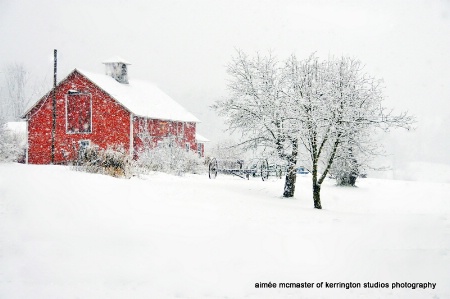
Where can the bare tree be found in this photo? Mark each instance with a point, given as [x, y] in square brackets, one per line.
[256, 108]
[17, 79]
[317, 112]
[226, 150]
[18, 91]
[337, 106]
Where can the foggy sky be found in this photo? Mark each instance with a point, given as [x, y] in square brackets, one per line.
[184, 46]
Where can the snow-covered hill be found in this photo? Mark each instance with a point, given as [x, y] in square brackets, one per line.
[66, 234]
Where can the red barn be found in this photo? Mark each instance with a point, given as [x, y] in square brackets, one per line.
[107, 110]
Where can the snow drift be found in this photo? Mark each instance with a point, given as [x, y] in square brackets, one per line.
[67, 234]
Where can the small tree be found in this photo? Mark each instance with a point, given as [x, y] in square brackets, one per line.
[346, 168]
[352, 160]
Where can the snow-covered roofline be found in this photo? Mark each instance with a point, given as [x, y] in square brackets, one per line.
[139, 97]
[142, 98]
[200, 138]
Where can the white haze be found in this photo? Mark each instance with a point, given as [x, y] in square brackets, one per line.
[184, 46]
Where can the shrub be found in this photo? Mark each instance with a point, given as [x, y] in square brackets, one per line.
[111, 161]
[170, 159]
[12, 146]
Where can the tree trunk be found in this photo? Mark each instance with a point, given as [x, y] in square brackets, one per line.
[289, 185]
[316, 196]
[291, 174]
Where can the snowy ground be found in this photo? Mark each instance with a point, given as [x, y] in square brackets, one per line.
[66, 234]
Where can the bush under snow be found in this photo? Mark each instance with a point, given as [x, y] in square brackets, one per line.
[170, 159]
[12, 145]
[111, 161]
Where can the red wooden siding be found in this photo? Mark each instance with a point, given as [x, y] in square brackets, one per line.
[86, 112]
[110, 122]
[152, 131]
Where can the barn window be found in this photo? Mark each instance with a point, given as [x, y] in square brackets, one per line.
[78, 112]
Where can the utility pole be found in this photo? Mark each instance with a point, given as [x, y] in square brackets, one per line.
[54, 106]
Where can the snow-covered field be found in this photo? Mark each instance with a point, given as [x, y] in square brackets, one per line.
[66, 234]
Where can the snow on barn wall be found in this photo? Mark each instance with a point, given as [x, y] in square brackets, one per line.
[99, 109]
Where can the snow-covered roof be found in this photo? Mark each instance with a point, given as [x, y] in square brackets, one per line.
[142, 98]
[200, 138]
[116, 59]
